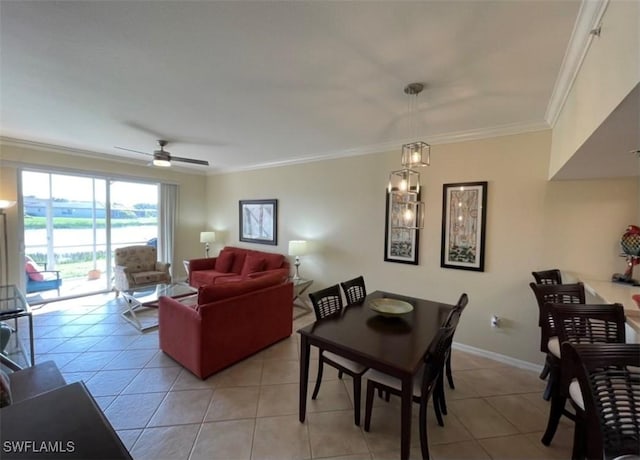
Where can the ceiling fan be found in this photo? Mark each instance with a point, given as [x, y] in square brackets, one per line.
[163, 158]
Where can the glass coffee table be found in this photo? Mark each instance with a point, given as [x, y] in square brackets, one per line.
[300, 286]
[146, 297]
[13, 305]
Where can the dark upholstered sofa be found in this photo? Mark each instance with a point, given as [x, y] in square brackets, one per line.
[230, 322]
[235, 264]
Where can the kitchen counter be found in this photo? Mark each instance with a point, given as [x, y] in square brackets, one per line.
[609, 292]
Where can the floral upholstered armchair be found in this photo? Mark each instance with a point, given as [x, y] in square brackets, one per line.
[138, 266]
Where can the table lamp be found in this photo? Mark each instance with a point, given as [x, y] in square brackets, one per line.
[297, 248]
[206, 238]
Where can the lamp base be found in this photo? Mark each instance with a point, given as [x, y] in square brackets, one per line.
[296, 277]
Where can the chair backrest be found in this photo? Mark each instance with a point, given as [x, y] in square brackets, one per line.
[354, 290]
[554, 293]
[552, 276]
[142, 257]
[326, 301]
[435, 358]
[609, 378]
[588, 323]
[456, 312]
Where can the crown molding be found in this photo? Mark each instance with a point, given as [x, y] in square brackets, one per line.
[45, 147]
[447, 138]
[589, 17]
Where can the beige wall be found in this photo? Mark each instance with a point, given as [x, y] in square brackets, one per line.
[191, 205]
[611, 69]
[531, 224]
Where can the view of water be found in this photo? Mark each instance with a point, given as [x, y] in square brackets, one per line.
[81, 240]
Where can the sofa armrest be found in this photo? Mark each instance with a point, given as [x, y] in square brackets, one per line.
[162, 267]
[202, 264]
[180, 332]
[122, 278]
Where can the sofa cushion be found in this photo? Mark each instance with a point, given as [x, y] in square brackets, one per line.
[224, 261]
[252, 263]
[149, 277]
[213, 292]
[272, 261]
[33, 271]
[203, 277]
[238, 259]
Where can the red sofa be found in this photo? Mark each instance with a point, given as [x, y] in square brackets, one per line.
[235, 264]
[230, 322]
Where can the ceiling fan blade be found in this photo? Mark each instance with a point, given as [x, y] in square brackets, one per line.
[130, 150]
[190, 160]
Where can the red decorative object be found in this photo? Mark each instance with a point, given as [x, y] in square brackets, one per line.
[630, 245]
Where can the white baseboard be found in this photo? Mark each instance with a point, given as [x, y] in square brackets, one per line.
[498, 357]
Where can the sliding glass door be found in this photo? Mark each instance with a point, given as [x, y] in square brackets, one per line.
[72, 224]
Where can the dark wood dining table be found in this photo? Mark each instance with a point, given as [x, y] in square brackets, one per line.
[394, 345]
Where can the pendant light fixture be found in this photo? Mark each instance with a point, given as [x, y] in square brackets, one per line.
[404, 184]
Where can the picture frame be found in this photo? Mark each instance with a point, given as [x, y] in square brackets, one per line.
[464, 218]
[259, 221]
[400, 245]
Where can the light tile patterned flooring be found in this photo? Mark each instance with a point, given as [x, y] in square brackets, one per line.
[250, 410]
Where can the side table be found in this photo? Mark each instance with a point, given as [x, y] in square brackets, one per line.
[300, 286]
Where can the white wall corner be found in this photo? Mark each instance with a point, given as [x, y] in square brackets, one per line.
[589, 17]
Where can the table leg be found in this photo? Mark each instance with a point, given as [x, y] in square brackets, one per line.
[305, 350]
[33, 358]
[405, 417]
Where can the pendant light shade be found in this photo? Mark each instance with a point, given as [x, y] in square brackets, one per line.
[404, 184]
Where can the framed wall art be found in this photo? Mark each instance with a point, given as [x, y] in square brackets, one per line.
[464, 217]
[259, 221]
[400, 244]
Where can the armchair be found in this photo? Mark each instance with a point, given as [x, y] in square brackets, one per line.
[138, 266]
[39, 279]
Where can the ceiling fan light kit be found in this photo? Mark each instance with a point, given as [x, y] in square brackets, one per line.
[163, 159]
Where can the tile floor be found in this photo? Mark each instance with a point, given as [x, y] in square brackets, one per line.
[249, 411]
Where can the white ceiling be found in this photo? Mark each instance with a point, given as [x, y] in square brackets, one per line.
[247, 84]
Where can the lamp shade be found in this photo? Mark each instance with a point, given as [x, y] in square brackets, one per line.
[5, 204]
[297, 247]
[207, 237]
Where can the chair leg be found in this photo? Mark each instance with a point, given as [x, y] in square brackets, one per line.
[441, 396]
[424, 439]
[436, 402]
[318, 379]
[579, 438]
[356, 398]
[340, 375]
[545, 371]
[368, 406]
[449, 374]
[554, 380]
[555, 412]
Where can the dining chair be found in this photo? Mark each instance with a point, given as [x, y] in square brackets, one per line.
[552, 276]
[578, 324]
[424, 383]
[440, 403]
[328, 302]
[555, 293]
[608, 379]
[354, 290]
